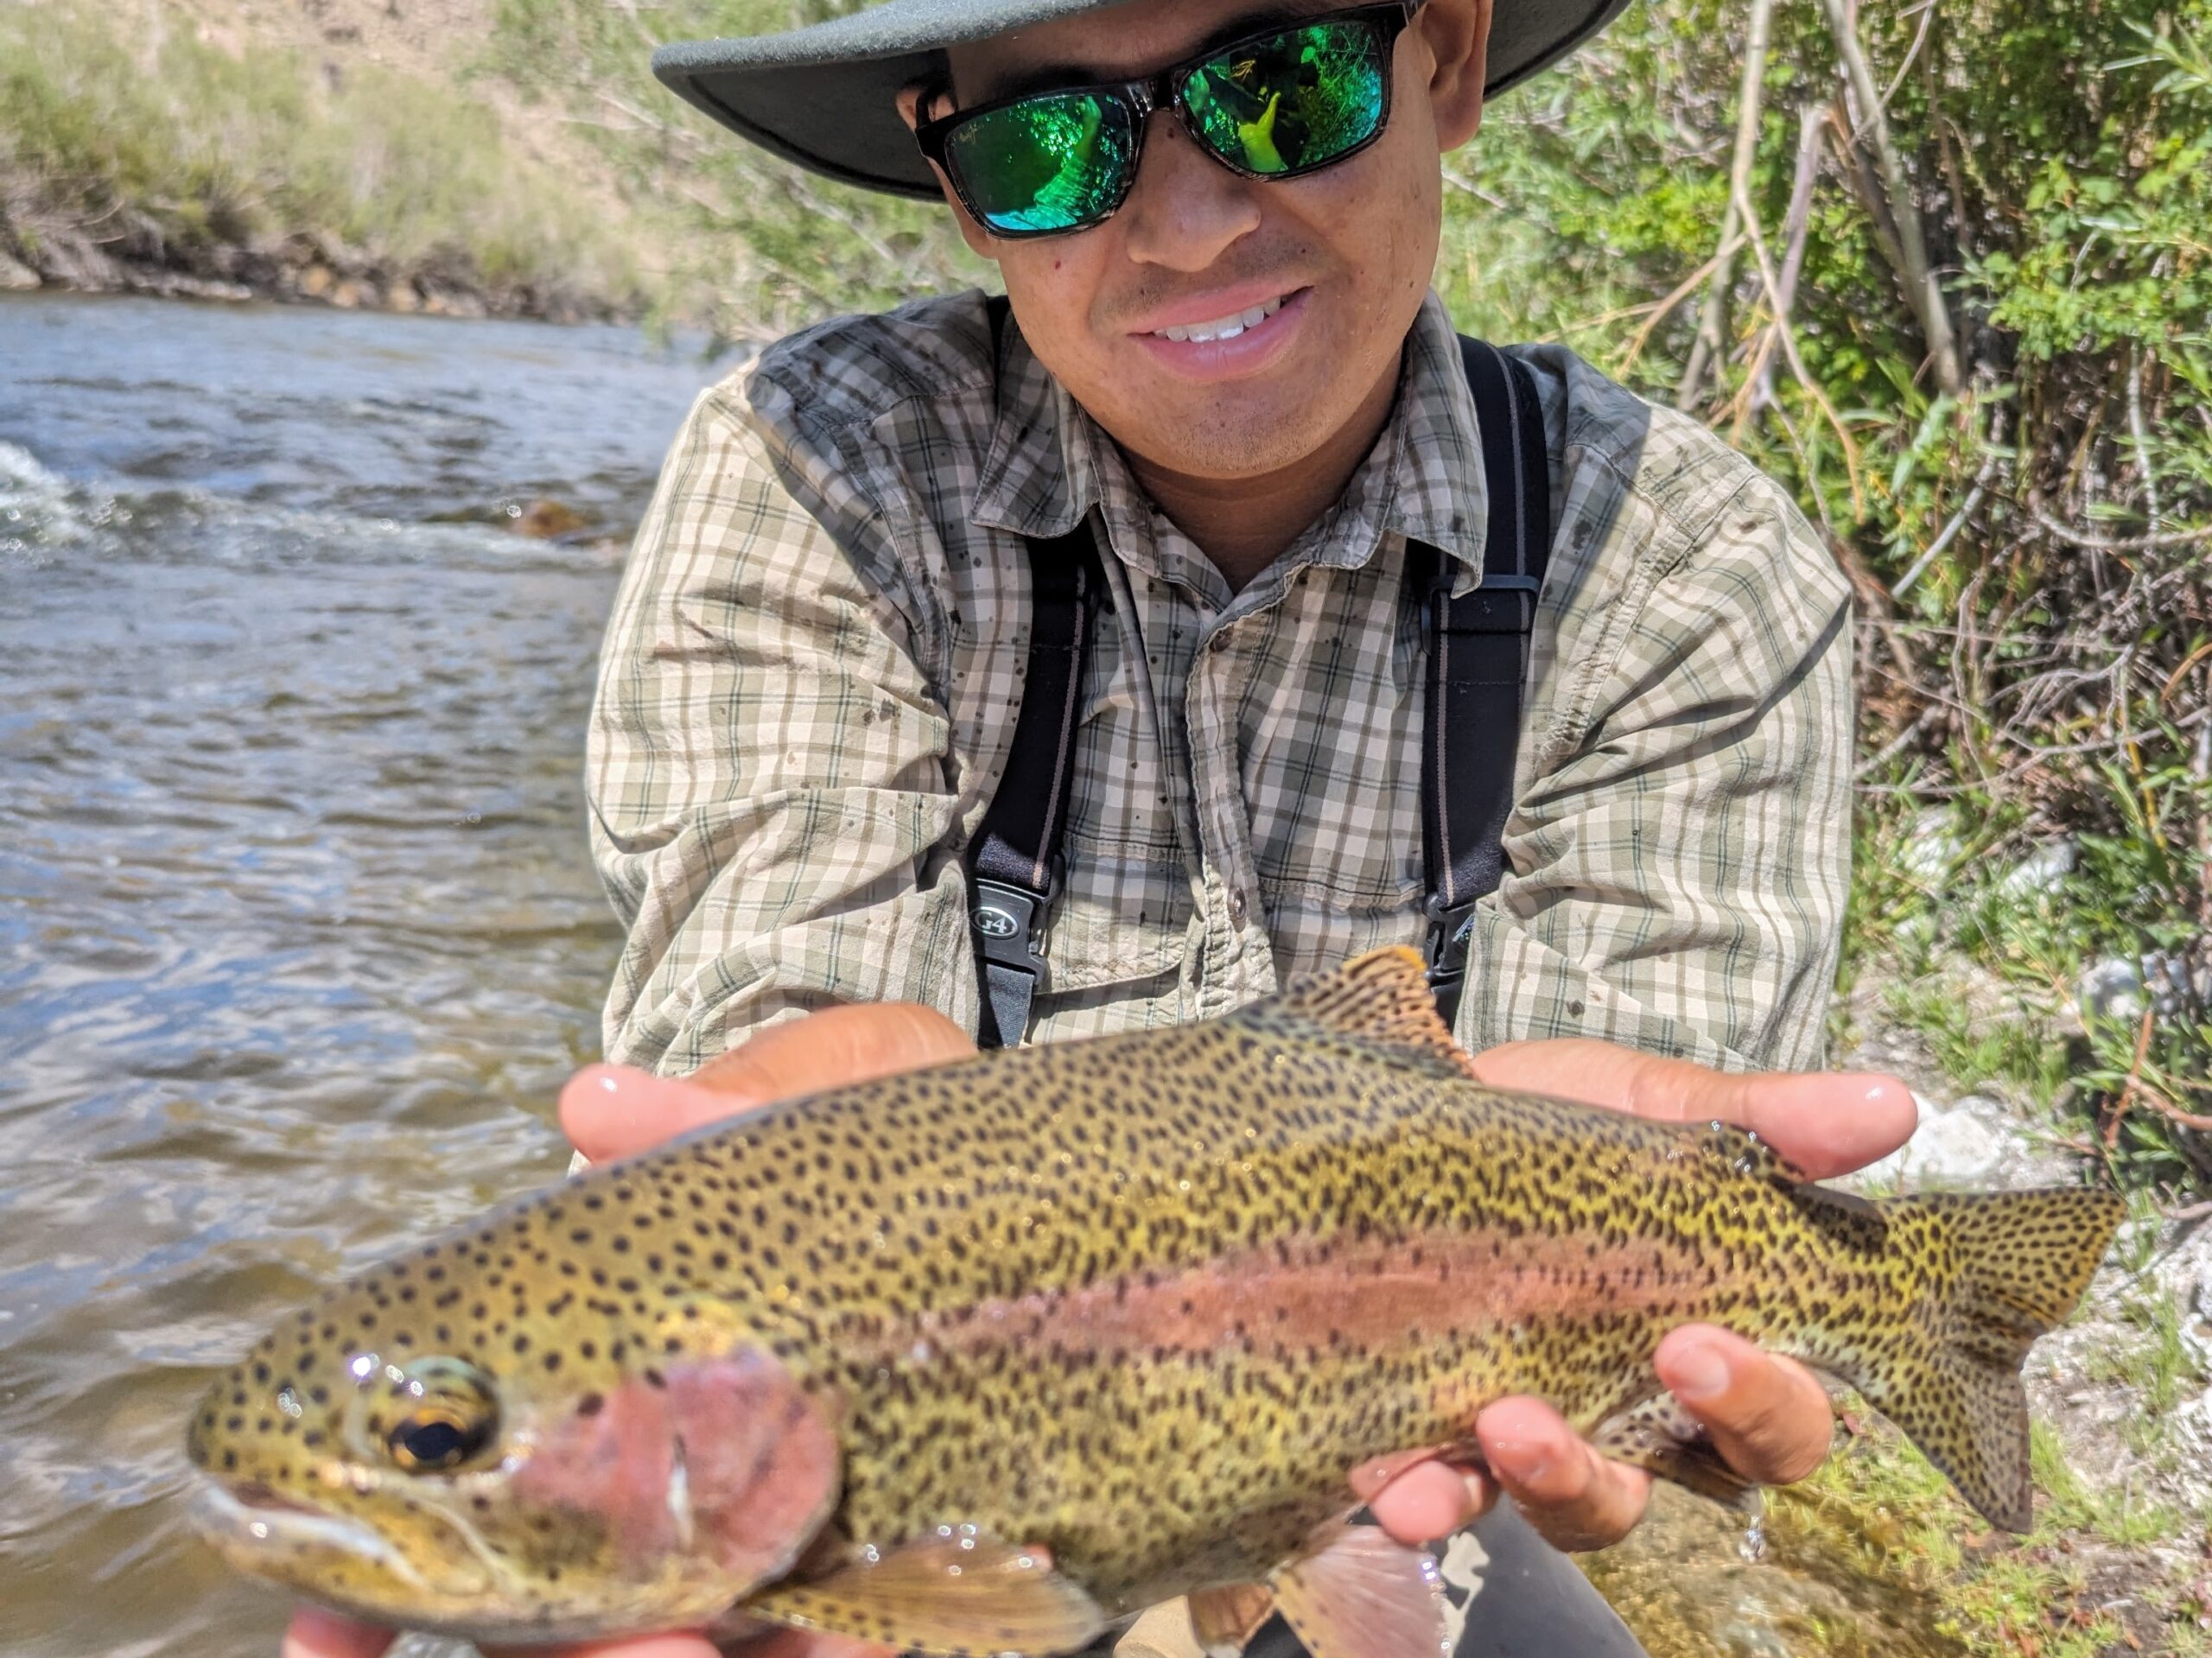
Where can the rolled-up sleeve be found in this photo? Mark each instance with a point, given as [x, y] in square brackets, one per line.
[768, 756]
[1680, 844]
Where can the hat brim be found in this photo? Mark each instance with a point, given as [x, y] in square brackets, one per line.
[825, 97]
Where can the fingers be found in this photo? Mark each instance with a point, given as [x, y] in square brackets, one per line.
[645, 1646]
[804, 1644]
[611, 1111]
[1573, 1497]
[1826, 1123]
[1769, 1416]
[834, 1047]
[1417, 1497]
[314, 1633]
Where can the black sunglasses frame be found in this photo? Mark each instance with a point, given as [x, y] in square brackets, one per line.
[1141, 96]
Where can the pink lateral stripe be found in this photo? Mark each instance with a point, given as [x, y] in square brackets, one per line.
[1369, 1295]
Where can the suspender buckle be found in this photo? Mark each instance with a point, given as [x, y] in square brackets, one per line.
[1005, 920]
[1502, 604]
[1450, 931]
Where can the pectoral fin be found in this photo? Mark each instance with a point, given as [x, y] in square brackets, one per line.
[1661, 1437]
[1360, 1595]
[1224, 1619]
[955, 1595]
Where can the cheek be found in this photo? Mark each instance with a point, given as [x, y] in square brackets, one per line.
[721, 1456]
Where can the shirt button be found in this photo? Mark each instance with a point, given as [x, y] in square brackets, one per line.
[1237, 908]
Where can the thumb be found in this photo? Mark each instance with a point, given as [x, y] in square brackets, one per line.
[1826, 1123]
[611, 1111]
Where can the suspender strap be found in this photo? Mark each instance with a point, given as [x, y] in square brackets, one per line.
[1478, 661]
[1014, 864]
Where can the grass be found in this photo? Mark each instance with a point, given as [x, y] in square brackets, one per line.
[175, 152]
[1881, 1510]
[1983, 966]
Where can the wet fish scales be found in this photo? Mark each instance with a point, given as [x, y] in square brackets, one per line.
[1124, 1310]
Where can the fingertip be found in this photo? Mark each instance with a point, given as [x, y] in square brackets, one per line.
[646, 1646]
[1528, 1445]
[1889, 1105]
[1427, 1502]
[314, 1633]
[614, 1111]
[1698, 1363]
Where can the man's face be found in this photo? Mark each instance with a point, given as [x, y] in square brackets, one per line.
[1345, 253]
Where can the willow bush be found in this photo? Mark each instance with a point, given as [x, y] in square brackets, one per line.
[1961, 309]
[2027, 524]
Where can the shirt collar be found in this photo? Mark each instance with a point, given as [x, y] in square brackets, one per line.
[1049, 464]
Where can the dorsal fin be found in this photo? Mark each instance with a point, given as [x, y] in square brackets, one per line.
[1379, 1001]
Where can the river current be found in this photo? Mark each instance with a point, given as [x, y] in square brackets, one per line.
[298, 937]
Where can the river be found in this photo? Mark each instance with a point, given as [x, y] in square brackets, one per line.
[297, 934]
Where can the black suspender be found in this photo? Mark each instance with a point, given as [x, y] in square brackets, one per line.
[1478, 661]
[1014, 864]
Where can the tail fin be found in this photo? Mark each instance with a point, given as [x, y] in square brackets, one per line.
[2002, 1269]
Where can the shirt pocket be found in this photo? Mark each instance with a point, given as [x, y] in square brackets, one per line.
[1315, 935]
[1119, 921]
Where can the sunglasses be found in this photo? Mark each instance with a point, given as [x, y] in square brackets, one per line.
[1279, 103]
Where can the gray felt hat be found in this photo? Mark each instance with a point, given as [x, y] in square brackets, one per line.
[824, 97]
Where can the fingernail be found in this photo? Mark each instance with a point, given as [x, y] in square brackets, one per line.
[1531, 1459]
[1699, 1373]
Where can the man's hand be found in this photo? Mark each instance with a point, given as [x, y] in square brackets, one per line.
[1768, 1416]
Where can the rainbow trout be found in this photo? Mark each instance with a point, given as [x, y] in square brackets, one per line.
[980, 1359]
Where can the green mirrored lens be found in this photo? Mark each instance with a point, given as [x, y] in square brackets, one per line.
[1293, 101]
[1047, 163]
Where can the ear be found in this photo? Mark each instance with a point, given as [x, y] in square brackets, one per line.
[1457, 33]
[980, 241]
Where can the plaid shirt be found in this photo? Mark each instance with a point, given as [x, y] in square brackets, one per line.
[810, 678]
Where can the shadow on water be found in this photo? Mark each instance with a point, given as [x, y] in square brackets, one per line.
[297, 933]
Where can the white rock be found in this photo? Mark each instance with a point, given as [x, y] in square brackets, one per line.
[15, 277]
[1932, 847]
[2112, 988]
[1956, 1146]
[2042, 870]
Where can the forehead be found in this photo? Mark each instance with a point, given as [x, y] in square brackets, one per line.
[1113, 42]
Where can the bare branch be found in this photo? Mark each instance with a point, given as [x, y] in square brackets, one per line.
[1712, 321]
[1923, 292]
[2131, 545]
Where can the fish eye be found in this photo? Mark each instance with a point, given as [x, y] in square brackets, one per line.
[450, 1415]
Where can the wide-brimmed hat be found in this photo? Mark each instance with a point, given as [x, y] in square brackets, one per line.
[825, 96]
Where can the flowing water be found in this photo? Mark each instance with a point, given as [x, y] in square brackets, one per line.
[297, 934]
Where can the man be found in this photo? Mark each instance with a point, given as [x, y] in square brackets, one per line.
[1215, 221]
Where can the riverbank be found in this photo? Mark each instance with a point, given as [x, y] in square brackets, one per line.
[144, 149]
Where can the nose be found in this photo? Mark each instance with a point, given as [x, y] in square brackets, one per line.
[1186, 209]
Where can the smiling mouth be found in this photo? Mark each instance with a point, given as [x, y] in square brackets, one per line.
[1225, 327]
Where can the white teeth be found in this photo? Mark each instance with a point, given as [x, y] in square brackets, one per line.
[1227, 327]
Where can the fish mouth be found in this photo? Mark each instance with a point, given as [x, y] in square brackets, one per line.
[260, 1530]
